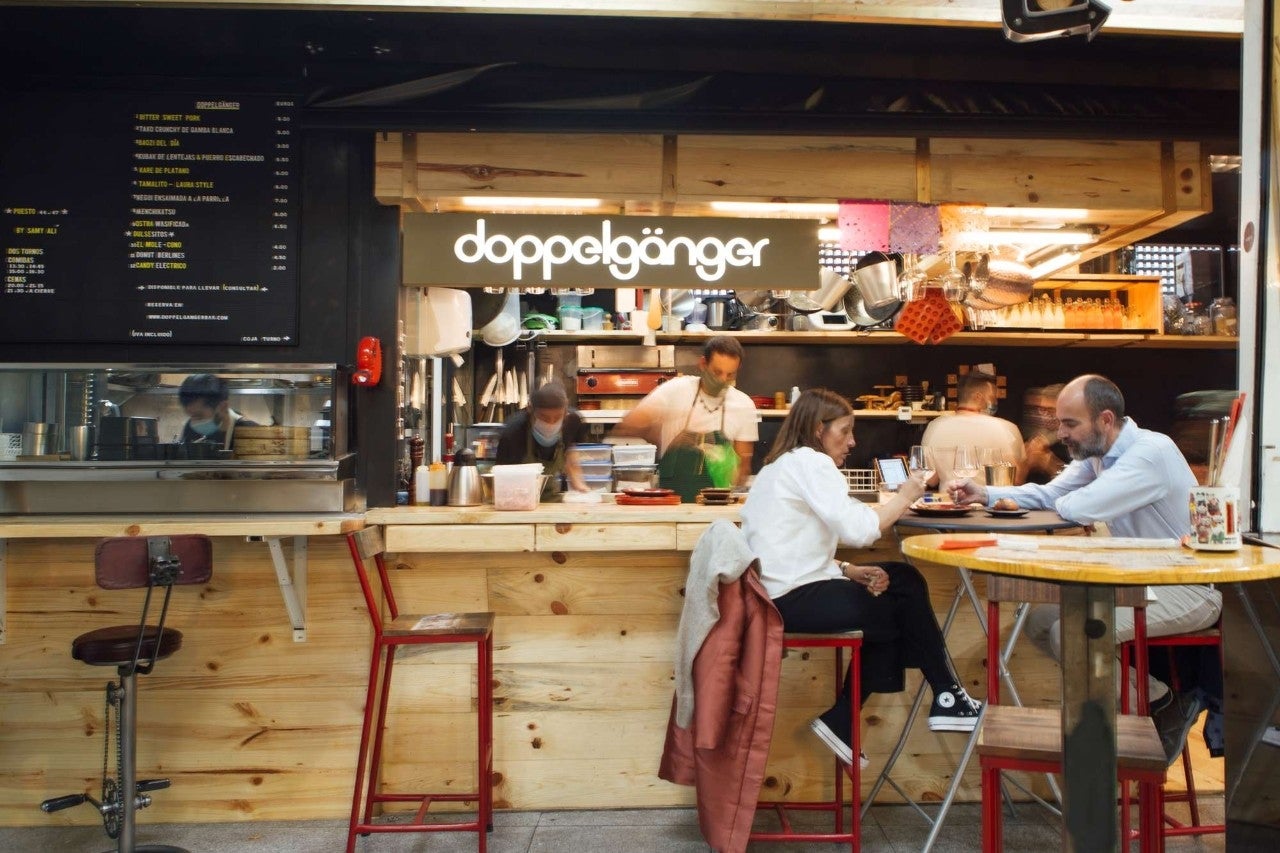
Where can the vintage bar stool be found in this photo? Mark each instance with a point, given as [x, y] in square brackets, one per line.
[1030, 739]
[1172, 826]
[841, 641]
[157, 562]
[434, 629]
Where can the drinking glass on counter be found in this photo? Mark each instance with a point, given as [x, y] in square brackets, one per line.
[920, 463]
[966, 464]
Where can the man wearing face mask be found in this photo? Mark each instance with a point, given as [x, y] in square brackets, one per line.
[211, 420]
[543, 433]
[975, 424]
[700, 424]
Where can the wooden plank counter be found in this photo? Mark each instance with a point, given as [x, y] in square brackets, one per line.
[587, 602]
[248, 723]
[251, 725]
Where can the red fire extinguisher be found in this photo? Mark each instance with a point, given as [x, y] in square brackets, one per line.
[368, 362]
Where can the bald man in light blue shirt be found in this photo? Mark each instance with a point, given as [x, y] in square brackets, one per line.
[1134, 480]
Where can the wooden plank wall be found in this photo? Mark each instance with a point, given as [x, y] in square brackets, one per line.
[252, 726]
[247, 723]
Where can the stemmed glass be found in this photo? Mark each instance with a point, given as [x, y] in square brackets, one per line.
[966, 465]
[911, 282]
[955, 284]
[920, 463]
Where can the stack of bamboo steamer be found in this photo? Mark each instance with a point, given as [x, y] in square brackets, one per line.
[271, 443]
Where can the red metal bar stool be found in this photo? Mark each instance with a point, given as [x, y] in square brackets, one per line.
[841, 641]
[1174, 827]
[417, 630]
[1030, 739]
[156, 563]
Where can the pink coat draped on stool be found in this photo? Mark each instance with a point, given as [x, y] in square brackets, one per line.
[735, 673]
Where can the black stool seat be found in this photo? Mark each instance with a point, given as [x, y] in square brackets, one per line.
[114, 646]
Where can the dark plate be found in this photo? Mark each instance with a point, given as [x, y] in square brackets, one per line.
[1007, 513]
[942, 512]
[648, 493]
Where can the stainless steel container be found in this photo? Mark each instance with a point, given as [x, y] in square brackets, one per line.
[635, 477]
[39, 439]
[464, 481]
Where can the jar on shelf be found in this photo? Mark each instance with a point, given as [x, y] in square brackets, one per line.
[1222, 316]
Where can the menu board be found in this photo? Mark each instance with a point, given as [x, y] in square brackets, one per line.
[149, 218]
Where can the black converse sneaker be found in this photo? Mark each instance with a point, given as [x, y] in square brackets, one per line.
[953, 710]
[833, 729]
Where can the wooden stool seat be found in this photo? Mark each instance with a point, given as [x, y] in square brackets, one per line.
[1014, 733]
[445, 627]
[116, 645]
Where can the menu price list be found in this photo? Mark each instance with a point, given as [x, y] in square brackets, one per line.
[149, 218]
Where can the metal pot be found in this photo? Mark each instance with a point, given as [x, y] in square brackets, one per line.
[1007, 282]
[831, 287]
[863, 317]
[876, 275]
[678, 303]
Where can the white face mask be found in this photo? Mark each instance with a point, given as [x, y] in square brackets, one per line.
[547, 434]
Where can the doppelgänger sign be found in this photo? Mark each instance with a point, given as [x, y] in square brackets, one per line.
[526, 250]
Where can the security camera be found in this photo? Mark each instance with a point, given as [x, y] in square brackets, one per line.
[1034, 20]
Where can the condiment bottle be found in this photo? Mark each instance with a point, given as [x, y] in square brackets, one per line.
[438, 484]
[420, 486]
[417, 493]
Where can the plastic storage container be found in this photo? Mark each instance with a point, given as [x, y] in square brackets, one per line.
[634, 454]
[592, 319]
[588, 453]
[517, 487]
[570, 318]
[599, 484]
[596, 469]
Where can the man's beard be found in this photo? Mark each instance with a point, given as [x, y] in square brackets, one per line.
[1094, 445]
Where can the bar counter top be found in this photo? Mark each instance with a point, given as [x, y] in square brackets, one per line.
[147, 524]
[550, 513]
[552, 527]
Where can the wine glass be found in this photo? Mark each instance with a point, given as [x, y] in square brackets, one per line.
[911, 282]
[920, 463]
[966, 464]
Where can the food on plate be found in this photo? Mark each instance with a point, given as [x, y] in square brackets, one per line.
[1006, 505]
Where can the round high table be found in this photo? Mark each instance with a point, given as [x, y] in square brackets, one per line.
[975, 521]
[1089, 691]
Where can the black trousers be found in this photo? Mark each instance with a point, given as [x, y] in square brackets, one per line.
[899, 628]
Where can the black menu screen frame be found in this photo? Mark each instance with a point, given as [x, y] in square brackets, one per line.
[150, 217]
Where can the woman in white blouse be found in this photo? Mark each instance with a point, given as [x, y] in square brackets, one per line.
[796, 515]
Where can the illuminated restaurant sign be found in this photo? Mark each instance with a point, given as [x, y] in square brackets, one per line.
[529, 250]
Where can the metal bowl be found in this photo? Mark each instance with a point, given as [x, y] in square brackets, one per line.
[855, 307]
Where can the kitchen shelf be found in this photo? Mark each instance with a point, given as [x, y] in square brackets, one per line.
[1080, 339]
[612, 416]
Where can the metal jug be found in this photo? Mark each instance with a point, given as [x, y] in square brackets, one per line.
[464, 481]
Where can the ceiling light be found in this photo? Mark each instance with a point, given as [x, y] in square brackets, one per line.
[1037, 237]
[830, 234]
[521, 201]
[1054, 264]
[793, 208]
[1069, 214]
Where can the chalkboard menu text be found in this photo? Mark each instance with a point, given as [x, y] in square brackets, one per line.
[149, 218]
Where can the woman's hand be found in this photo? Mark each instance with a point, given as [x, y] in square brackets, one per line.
[874, 578]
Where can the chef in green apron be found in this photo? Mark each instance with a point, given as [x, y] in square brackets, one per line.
[705, 428]
[543, 433]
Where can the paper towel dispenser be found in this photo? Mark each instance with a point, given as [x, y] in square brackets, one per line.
[443, 323]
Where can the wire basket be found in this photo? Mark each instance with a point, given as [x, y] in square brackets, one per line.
[861, 480]
[10, 446]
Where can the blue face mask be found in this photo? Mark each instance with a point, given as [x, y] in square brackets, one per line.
[205, 427]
